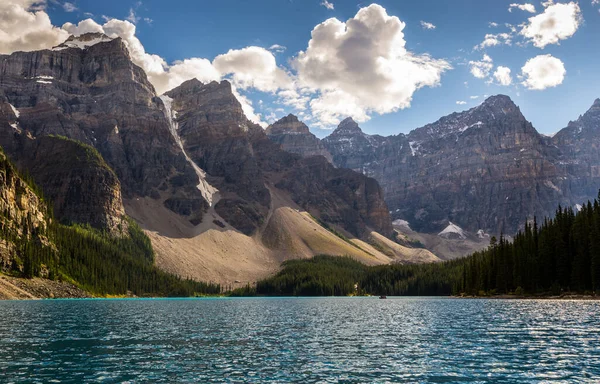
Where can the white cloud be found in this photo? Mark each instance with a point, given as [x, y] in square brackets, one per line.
[461, 102]
[482, 68]
[362, 66]
[253, 67]
[543, 71]
[527, 7]
[294, 99]
[349, 69]
[557, 22]
[277, 48]
[327, 4]
[25, 26]
[473, 97]
[132, 17]
[491, 24]
[248, 109]
[69, 7]
[426, 25]
[502, 76]
[491, 40]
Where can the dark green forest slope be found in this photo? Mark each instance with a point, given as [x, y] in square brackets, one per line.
[34, 244]
[560, 255]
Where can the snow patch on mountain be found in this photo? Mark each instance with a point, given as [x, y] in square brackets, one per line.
[15, 110]
[207, 190]
[453, 230]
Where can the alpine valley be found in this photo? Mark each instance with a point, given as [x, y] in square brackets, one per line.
[93, 153]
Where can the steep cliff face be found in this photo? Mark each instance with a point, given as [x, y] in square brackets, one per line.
[295, 137]
[486, 168]
[88, 89]
[579, 143]
[243, 164]
[23, 215]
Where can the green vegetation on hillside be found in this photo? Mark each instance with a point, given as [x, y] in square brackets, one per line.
[563, 255]
[97, 262]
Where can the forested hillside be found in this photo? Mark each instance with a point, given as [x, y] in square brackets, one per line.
[560, 255]
[34, 244]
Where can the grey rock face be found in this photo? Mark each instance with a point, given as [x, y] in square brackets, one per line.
[295, 137]
[88, 89]
[485, 168]
[243, 163]
[579, 143]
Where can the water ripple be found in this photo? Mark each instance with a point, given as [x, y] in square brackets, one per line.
[299, 340]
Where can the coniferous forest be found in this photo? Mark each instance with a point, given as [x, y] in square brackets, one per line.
[557, 256]
[97, 262]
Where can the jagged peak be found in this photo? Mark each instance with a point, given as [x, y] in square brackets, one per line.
[287, 125]
[498, 101]
[595, 107]
[84, 41]
[348, 126]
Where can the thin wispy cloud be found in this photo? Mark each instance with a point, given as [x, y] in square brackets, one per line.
[327, 4]
[69, 7]
[426, 25]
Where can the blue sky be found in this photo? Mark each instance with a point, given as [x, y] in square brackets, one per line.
[176, 30]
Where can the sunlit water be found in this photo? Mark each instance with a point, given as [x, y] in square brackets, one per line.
[300, 340]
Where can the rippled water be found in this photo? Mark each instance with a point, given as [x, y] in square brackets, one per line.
[300, 340]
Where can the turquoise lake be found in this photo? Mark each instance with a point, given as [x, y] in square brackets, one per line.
[303, 340]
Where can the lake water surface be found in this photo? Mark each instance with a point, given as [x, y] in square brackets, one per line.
[304, 340]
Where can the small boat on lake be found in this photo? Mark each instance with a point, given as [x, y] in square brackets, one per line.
[383, 297]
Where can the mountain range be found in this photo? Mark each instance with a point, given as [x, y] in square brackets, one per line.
[224, 200]
[219, 200]
[486, 170]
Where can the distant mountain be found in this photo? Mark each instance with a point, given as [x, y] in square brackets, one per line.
[219, 200]
[579, 145]
[484, 169]
[295, 137]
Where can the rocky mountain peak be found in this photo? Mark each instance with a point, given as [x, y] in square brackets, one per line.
[595, 107]
[216, 99]
[288, 125]
[499, 105]
[348, 127]
[84, 41]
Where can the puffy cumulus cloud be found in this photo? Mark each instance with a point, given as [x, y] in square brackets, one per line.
[502, 76]
[461, 102]
[84, 26]
[293, 98]
[25, 26]
[543, 71]
[362, 66]
[248, 109]
[491, 40]
[557, 22]
[481, 68]
[183, 70]
[253, 67]
[527, 7]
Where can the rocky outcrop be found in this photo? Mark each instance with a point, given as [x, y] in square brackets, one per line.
[579, 145]
[295, 137]
[89, 90]
[243, 164]
[486, 168]
[23, 215]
